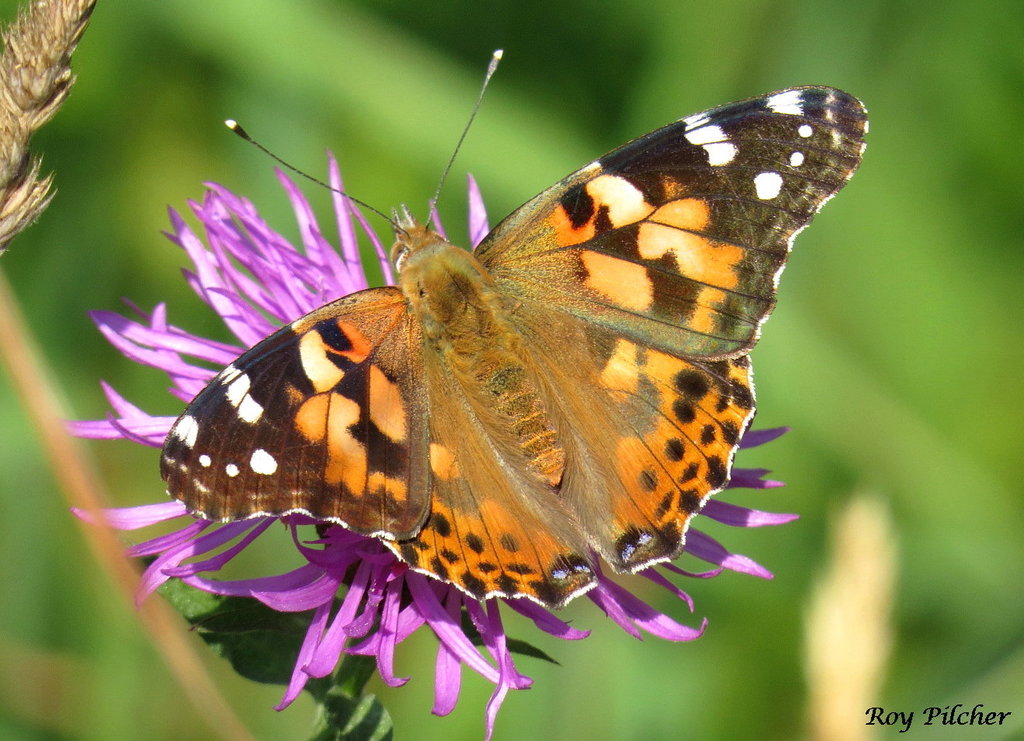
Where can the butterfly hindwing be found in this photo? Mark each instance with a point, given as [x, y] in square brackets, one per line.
[488, 541]
[649, 436]
[676, 240]
[326, 416]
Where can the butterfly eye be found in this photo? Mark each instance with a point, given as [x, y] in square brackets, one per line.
[399, 254]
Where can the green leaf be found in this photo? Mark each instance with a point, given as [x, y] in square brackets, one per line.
[344, 714]
[347, 718]
[260, 643]
[521, 647]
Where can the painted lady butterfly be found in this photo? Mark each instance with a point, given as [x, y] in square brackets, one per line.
[573, 389]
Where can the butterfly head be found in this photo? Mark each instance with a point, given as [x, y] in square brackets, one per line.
[410, 237]
[446, 286]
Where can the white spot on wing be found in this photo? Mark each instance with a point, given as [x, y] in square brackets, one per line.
[249, 410]
[768, 185]
[720, 153]
[715, 142]
[237, 389]
[789, 102]
[231, 470]
[186, 430]
[796, 159]
[805, 130]
[706, 135]
[205, 460]
[262, 462]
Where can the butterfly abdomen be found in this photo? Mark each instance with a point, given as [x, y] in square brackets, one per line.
[466, 325]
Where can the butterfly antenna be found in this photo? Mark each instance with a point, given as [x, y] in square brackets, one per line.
[237, 129]
[491, 68]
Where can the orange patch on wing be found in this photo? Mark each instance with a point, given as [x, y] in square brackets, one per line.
[625, 283]
[346, 456]
[442, 462]
[311, 418]
[698, 258]
[565, 233]
[620, 372]
[393, 488]
[496, 520]
[387, 411]
[661, 367]
[629, 453]
[490, 510]
[705, 313]
[684, 213]
[360, 345]
[631, 457]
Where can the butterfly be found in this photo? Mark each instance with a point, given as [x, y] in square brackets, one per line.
[572, 390]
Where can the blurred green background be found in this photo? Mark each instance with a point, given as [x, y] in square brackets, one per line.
[895, 353]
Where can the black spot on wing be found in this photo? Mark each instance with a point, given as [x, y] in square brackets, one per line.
[692, 384]
[508, 584]
[473, 584]
[409, 554]
[685, 412]
[332, 335]
[440, 524]
[578, 205]
[717, 474]
[382, 453]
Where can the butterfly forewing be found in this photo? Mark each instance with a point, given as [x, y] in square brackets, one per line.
[676, 239]
[326, 417]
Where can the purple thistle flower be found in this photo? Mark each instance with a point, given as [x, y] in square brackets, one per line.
[247, 272]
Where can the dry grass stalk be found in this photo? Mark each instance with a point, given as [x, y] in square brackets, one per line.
[849, 624]
[35, 78]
